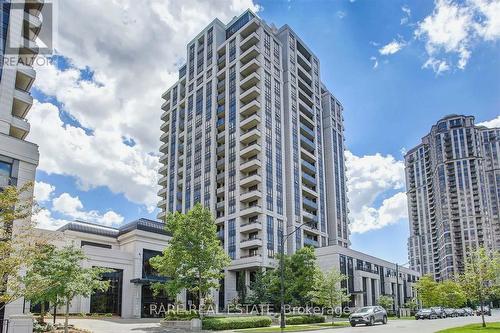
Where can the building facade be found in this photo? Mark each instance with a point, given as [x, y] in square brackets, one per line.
[453, 195]
[20, 23]
[250, 131]
[369, 277]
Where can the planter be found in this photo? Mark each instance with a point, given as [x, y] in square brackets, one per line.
[185, 325]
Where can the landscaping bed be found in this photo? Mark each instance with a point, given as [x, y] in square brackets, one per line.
[232, 323]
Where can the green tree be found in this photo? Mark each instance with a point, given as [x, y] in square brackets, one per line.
[451, 294]
[386, 302]
[258, 292]
[67, 279]
[18, 240]
[194, 258]
[412, 305]
[428, 291]
[300, 277]
[480, 277]
[328, 292]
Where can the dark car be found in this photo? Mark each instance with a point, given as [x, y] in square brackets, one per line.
[486, 310]
[439, 311]
[461, 312]
[469, 311]
[368, 315]
[450, 312]
[425, 314]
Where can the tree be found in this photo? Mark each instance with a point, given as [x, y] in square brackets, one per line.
[386, 302]
[18, 240]
[67, 278]
[451, 294]
[194, 258]
[427, 290]
[259, 289]
[480, 277]
[328, 291]
[300, 277]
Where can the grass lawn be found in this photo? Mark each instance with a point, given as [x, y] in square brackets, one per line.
[294, 328]
[402, 318]
[490, 328]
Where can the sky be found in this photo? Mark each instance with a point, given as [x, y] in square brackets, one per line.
[397, 67]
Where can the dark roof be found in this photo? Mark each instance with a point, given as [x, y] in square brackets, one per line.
[96, 229]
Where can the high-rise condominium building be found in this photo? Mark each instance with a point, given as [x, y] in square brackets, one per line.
[453, 194]
[250, 131]
[20, 23]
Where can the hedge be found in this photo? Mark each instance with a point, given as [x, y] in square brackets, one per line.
[231, 323]
[305, 319]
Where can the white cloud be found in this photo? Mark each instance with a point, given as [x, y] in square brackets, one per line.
[341, 14]
[43, 191]
[375, 62]
[454, 28]
[133, 50]
[407, 11]
[45, 220]
[491, 123]
[391, 48]
[369, 179]
[72, 207]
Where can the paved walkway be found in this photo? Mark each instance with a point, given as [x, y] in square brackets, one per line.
[111, 325]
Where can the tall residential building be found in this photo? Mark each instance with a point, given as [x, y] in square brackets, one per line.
[452, 182]
[20, 23]
[250, 131]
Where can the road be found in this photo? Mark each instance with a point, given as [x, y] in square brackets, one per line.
[393, 326]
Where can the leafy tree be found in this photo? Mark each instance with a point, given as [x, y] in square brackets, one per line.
[428, 291]
[386, 302]
[259, 289]
[194, 258]
[451, 294]
[300, 277]
[18, 240]
[328, 291]
[412, 305]
[66, 277]
[480, 277]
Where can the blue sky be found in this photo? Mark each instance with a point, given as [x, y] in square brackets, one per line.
[99, 97]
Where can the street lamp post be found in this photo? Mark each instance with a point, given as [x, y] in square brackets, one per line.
[282, 274]
[397, 290]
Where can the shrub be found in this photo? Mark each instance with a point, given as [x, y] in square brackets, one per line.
[231, 323]
[299, 320]
[181, 315]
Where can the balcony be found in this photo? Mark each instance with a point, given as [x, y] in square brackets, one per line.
[250, 165]
[249, 68]
[251, 226]
[308, 179]
[249, 81]
[25, 77]
[308, 156]
[164, 159]
[306, 131]
[163, 170]
[251, 180]
[250, 150]
[249, 95]
[221, 85]
[220, 205]
[221, 163]
[250, 242]
[250, 122]
[311, 242]
[221, 110]
[249, 41]
[308, 203]
[164, 127]
[165, 106]
[250, 54]
[309, 190]
[250, 210]
[19, 128]
[163, 180]
[250, 108]
[22, 103]
[221, 150]
[221, 62]
[250, 135]
[221, 98]
[308, 166]
[308, 90]
[252, 195]
[221, 124]
[306, 99]
[164, 148]
[304, 62]
[309, 145]
[221, 190]
[309, 217]
[220, 177]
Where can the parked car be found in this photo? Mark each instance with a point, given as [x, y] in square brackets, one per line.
[461, 312]
[425, 314]
[486, 310]
[468, 312]
[368, 315]
[439, 311]
[450, 312]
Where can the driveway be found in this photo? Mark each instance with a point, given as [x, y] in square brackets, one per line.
[109, 325]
